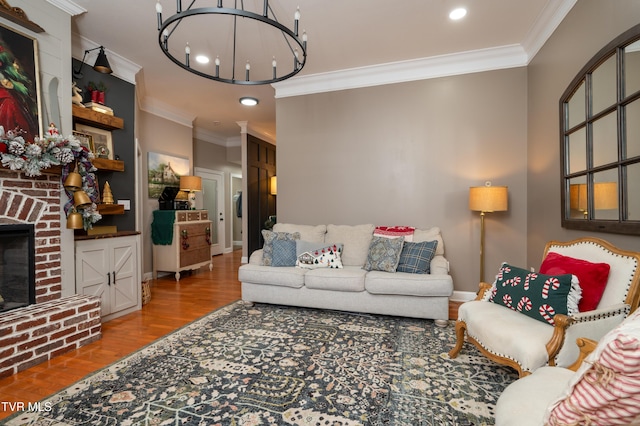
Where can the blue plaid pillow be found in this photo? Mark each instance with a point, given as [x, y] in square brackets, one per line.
[269, 238]
[284, 253]
[416, 257]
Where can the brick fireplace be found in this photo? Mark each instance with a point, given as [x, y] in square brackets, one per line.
[52, 325]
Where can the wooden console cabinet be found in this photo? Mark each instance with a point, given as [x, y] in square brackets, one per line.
[191, 244]
[108, 268]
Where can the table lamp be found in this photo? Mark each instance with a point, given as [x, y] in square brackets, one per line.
[191, 184]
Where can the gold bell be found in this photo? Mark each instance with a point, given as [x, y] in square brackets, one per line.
[74, 220]
[73, 182]
[81, 199]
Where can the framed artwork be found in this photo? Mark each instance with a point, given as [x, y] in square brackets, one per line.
[20, 103]
[86, 140]
[102, 140]
[164, 170]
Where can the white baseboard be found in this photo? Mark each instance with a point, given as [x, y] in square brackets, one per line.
[462, 296]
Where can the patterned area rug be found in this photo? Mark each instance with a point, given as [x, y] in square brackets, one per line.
[275, 365]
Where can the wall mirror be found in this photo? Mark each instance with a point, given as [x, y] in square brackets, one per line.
[600, 141]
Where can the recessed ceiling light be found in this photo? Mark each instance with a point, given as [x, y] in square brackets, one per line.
[202, 59]
[458, 13]
[248, 101]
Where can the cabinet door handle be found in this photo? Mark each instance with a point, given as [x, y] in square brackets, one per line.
[114, 277]
[109, 279]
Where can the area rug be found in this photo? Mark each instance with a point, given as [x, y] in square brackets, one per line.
[275, 365]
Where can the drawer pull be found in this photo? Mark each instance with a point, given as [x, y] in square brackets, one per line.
[185, 239]
[207, 233]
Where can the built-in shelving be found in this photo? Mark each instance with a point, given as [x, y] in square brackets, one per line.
[97, 119]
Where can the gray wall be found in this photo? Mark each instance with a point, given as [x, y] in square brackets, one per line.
[406, 154]
[590, 25]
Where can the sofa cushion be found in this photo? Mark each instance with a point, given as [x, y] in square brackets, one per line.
[350, 278]
[269, 237]
[592, 276]
[606, 387]
[415, 258]
[431, 234]
[531, 395]
[384, 254]
[538, 296]
[283, 277]
[402, 283]
[284, 253]
[313, 233]
[310, 255]
[355, 240]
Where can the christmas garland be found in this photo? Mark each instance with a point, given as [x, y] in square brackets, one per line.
[53, 150]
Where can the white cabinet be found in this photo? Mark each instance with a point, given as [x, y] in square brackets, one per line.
[108, 268]
[190, 246]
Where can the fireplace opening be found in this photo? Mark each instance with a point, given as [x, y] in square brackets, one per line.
[17, 266]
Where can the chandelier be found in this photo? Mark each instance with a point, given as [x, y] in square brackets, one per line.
[250, 46]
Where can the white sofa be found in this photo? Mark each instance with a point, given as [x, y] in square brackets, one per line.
[351, 288]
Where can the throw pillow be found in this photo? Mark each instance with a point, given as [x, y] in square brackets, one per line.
[415, 258]
[606, 388]
[384, 254]
[284, 253]
[536, 295]
[269, 237]
[593, 277]
[311, 255]
[395, 232]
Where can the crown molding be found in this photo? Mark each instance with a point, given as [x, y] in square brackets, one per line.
[168, 112]
[549, 19]
[122, 67]
[502, 57]
[209, 136]
[403, 71]
[68, 6]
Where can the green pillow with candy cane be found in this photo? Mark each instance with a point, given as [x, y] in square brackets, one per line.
[536, 295]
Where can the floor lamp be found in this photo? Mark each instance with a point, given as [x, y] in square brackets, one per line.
[486, 199]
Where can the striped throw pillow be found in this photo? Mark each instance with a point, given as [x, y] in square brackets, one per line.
[606, 388]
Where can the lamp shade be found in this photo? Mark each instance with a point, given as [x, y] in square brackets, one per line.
[190, 183]
[605, 196]
[488, 198]
[102, 64]
[273, 185]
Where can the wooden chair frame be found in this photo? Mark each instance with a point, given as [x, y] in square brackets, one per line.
[562, 322]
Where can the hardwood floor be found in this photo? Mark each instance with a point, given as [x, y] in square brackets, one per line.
[172, 306]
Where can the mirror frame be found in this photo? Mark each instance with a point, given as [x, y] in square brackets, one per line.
[589, 223]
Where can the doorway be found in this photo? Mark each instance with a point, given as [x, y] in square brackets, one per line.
[211, 198]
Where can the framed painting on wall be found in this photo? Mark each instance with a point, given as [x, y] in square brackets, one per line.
[164, 170]
[20, 104]
[86, 140]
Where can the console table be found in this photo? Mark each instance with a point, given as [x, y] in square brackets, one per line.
[181, 241]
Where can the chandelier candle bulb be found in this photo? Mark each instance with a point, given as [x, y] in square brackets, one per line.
[159, 13]
[187, 51]
[296, 20]
[247, 67]
[217, 66]
[178, 6]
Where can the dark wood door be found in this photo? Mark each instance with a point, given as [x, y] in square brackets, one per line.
[261, 165]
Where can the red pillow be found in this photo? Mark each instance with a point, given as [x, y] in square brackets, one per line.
[592, 276]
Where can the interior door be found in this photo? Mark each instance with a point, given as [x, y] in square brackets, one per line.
[211, 198]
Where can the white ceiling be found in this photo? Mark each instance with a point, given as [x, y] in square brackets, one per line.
[353, 35]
